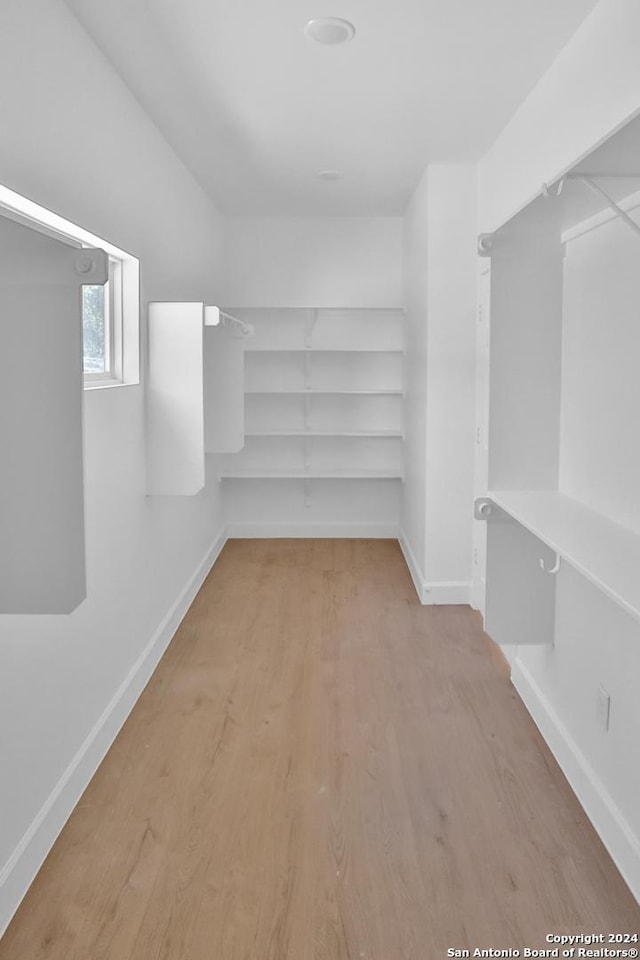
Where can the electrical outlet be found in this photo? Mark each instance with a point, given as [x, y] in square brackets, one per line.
[603, 708]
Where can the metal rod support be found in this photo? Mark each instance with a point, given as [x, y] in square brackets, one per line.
[245, 328]
[597, 189]
[551, 570]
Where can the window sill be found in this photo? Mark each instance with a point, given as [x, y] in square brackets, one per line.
[104, 384]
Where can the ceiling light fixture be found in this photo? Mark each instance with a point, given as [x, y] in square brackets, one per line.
[328, 175]
[330, 30]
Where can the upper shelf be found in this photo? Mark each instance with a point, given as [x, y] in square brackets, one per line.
[331, 434]
[324, 392]
[604, 552]
[325, 330]
[394, 350]
[312, 473]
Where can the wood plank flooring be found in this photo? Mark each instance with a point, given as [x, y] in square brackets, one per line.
[321, 769]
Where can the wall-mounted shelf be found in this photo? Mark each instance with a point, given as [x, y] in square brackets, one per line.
[326, 433]
[310, 391]
[604, 552]
[325, 350]
[323, 401]
[335, 474]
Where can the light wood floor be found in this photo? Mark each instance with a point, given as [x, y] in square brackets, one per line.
[321, 769]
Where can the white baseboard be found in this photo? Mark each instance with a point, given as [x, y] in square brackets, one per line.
[352, 531]
[20, 869]
[413, 565]
[449, 591]
[614, 831]
[432, 593]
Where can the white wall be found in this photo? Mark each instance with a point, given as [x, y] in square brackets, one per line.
[451, 349]
[591, 89]
[314, 262]
[596, 644]
[416, 267]
[440, 282]
[74, 140]
[599, 465]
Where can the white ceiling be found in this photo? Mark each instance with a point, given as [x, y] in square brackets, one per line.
[256, 110]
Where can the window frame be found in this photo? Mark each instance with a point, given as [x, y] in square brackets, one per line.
[112, 374]
[122, 297]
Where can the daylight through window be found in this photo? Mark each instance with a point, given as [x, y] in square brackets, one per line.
[95, 329]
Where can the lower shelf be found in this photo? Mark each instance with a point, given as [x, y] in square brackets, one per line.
[313, 475]
[325, 392]
[605, 553]
[331, 434]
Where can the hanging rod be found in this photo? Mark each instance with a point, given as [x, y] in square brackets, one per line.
[588, 180]
[215, 317]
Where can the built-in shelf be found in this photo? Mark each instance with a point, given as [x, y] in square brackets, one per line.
[324, 392]
[607, 554]
[349, 350]
[261, 473]
[327, 433]
[323, 403]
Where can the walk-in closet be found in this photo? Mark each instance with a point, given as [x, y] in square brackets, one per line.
[320, 480]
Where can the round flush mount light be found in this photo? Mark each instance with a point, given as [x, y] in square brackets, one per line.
[328, 175]
[330, 30]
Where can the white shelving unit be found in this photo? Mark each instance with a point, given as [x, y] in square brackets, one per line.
[324, 393]
[559, 394]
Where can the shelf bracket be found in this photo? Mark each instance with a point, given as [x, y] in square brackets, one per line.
[307, 370]
[588, 180]
[307, 493]
[611, 203]
[312, 319]
[545, 189]
[307, 411]
[482, 508]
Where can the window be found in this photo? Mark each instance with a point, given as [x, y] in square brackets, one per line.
[102, 327]
[96, 330]
[110, 313]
